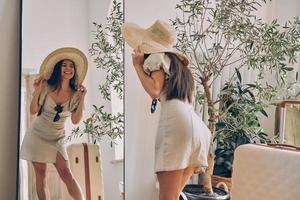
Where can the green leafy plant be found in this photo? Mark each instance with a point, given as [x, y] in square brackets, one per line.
[107, 52]
[227, 33]
[237, 125]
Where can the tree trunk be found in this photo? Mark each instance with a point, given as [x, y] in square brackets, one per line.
[207, 183]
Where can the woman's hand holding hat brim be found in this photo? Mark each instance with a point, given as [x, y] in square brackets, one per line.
[82, 91]
[137, 57]
[38, 84]
[149, 39]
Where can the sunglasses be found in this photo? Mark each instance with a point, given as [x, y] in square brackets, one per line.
[153, 105]
[58, 110]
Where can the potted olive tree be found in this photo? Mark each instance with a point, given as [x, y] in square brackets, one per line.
[221, 34]
[107, 52]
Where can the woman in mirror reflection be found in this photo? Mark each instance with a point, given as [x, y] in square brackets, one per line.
[182, 140]
[58, 95]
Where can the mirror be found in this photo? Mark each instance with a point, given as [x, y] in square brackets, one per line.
[88, 156]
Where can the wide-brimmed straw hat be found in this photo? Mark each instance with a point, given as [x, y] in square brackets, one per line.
[66, 53]
[159, 37]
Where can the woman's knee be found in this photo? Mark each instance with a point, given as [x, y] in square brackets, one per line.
[40, 170]
[188, 172]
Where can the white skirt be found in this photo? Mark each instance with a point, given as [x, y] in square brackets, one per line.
[182, 138]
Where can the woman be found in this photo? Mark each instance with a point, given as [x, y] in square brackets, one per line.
[58, 95]
[182, 140]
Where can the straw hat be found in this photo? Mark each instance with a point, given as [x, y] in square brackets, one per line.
[159, 37]
[69, 53]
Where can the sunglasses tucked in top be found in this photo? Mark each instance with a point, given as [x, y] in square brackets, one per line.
[58, 109]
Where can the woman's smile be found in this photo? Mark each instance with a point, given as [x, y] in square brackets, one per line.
[68, 69]
[68, 72]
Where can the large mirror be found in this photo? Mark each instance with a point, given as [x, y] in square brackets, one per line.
[71, 127]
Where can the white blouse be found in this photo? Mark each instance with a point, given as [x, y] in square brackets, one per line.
[156, 61]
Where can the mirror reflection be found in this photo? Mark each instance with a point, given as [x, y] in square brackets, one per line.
[71, 135]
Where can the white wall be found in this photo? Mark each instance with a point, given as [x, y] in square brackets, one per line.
[284, 10]
[9, 90]
[48, 25]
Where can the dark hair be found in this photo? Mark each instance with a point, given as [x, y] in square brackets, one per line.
[180, 83]
[55, 78]
[146, 55]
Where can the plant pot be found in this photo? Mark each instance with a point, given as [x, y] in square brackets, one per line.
[195, 192]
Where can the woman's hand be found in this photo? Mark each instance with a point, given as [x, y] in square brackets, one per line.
[82, 91]
[77, 114]
[137, 58]
[38, 84]
[38, 87]
[153, 83]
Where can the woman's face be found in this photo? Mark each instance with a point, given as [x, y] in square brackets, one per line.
[67, 69]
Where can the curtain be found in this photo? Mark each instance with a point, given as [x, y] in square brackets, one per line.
[27, 180]
[29, 79]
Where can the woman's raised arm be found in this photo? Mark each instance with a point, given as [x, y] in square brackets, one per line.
[34, 104]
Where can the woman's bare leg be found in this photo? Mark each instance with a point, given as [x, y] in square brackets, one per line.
[41, 182]
[67, 177]
[170, 184]
[188, 172]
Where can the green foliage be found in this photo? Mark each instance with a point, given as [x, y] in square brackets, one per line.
[228, 33]
[237, 125]
[107, 51]
[219, 34]
[102, 123]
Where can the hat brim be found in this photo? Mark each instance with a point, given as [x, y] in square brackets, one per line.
[67, 53]
[137, 37]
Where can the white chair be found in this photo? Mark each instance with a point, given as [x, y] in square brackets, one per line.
[263, 172]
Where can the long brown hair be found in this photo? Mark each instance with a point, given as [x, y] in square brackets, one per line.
[180, 84]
